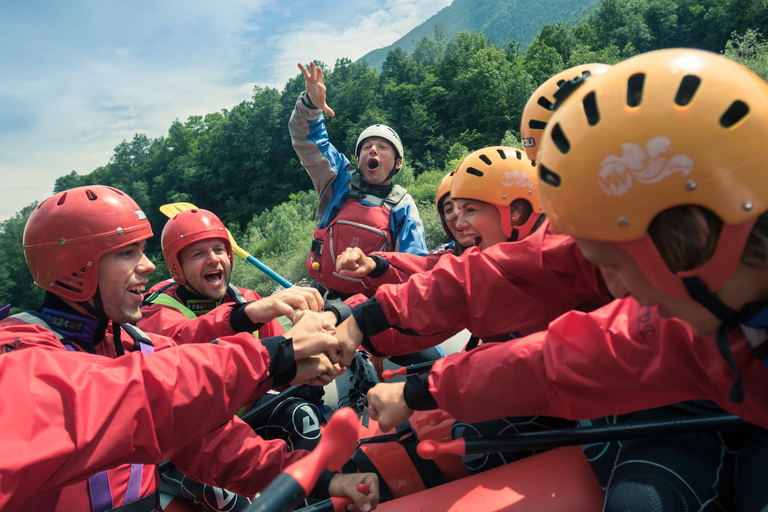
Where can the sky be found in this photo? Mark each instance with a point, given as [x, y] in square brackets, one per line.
[77, 77]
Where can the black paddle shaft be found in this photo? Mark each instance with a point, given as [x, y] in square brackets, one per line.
[621, 431]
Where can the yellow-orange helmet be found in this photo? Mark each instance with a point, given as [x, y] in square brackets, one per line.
[443, 189]
[498, 175]
[663, 129]
[540, 106]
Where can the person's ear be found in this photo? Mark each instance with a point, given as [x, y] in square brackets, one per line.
[515, 214]
[398, 163]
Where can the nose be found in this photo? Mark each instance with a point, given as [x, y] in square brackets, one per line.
[211, 257]
[461, 221]
[145, 265]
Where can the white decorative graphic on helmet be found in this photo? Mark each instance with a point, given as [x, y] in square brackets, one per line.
[651, 165]
[516, 179]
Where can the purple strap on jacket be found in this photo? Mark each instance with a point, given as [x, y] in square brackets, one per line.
[101, 494]
[134, 484]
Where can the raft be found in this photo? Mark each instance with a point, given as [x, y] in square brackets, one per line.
[559, 480]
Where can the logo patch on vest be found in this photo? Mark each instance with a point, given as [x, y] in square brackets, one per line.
[203, 305]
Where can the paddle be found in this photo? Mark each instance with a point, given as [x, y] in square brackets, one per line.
[336, 447]
[575, 436]
[170, 210]
[408, 370]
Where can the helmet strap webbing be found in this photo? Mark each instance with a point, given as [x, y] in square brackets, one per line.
[393, 172]
[730, 319]
[96, 309]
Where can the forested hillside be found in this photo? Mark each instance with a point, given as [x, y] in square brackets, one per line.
[499, 20]
[445, 98]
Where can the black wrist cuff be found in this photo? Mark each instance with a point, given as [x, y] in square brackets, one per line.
[381, 266]
[239, 320]
[416, 393]
[282, 366]
[306, 101]
[341, 310]
[322, 485]
[370, 317]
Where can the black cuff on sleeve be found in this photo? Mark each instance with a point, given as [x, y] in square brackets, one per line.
[306, 101]
[370, 317]
[416, 393]
[341, 310]
[282, 366]
[381, 266]
[239, 320]
[322, 485]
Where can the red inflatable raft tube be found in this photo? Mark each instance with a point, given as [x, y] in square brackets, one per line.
[559, 480]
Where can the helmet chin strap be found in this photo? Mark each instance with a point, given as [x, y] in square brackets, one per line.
[393, 172]
[730, 318]
[97, 309]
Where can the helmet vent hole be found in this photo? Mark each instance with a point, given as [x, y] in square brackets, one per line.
[635, 89]
[545, 103]
[69, 287]
[90, 195]
[475, 172]
[735, 113]
[534, 124]
[62, 198]
[688, 87]
[486, 160]
[560, 140]
[502, 154]
[548, 176]
[590, 108]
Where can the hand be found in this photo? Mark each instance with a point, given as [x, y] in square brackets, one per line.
[354, 263]
[316, 371]
[386, 404]
[345, 485]
[312, 335]
[315, 87]
[329, 316]
[349, 337]
[284, 303]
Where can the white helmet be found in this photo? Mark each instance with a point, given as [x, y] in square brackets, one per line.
[382, 131]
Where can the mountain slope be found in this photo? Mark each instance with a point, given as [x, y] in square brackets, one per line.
[500, 20]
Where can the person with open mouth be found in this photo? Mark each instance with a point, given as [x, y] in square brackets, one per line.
[357, 207]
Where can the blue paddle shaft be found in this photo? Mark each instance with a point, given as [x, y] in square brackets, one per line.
[271, 273]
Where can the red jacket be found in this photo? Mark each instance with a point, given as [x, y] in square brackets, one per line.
[170, 321]
[401, 266]
[67, 415]
[512, 288]
[617, 359]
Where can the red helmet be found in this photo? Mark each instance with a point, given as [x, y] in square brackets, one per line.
[186, 228]
[68, 233]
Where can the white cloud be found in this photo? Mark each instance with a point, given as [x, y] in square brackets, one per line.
[81, 76]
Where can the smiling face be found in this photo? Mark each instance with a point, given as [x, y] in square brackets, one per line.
[122, 279]
[450, 212]
[377, 158]
[479, 223]
[207, 267]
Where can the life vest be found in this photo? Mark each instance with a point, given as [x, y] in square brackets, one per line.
[98, 495]
[192, 309]
[366, 226]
